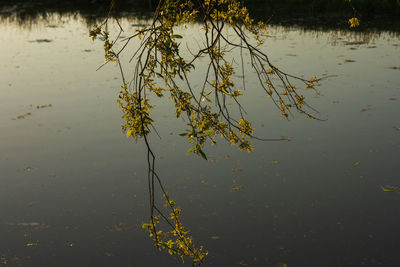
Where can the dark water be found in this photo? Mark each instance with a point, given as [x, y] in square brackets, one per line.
[74, 191]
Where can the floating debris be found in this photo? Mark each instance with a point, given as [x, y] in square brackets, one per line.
[349, 61]
[20, 117]
[286, 138]
[356, 164]
[215, 237]
[394, 68]
[391, 188]
[274, 162]
[367, 108]
[31, 244]
[392, 98]
[44, 106]
[41, 41]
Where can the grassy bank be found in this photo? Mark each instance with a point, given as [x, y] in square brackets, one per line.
[374, 14]
[313, 7]
[382, 14]
[289, 7]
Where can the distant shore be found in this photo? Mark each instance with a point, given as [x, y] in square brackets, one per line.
[379, 14]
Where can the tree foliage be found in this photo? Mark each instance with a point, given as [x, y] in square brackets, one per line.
[353, 22]
[163, 70]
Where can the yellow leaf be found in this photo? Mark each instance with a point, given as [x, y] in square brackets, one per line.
[384, 189]
[354, 22]
[356, 164]
[128, 133]
[390, 188]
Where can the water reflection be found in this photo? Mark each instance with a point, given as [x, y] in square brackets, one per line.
[73, 189]
[338, 36]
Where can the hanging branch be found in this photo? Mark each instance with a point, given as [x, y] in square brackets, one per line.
[161, 70]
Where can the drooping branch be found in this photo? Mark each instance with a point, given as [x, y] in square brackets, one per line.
[161, 70]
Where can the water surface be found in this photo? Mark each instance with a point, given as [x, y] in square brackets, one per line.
[74, 190]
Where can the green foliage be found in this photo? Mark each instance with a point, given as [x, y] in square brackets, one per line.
[163, 72]
[176, 241]
[136, 113]
[159, 60]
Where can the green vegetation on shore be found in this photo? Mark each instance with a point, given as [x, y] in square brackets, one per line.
[365, 7]
[289, 7]
[375, 14]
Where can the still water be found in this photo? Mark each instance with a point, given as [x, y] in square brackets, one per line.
[74, 190]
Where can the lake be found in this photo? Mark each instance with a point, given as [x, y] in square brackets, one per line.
[74, 189]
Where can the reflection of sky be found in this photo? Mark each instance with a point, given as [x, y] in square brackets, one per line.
[69, 167]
